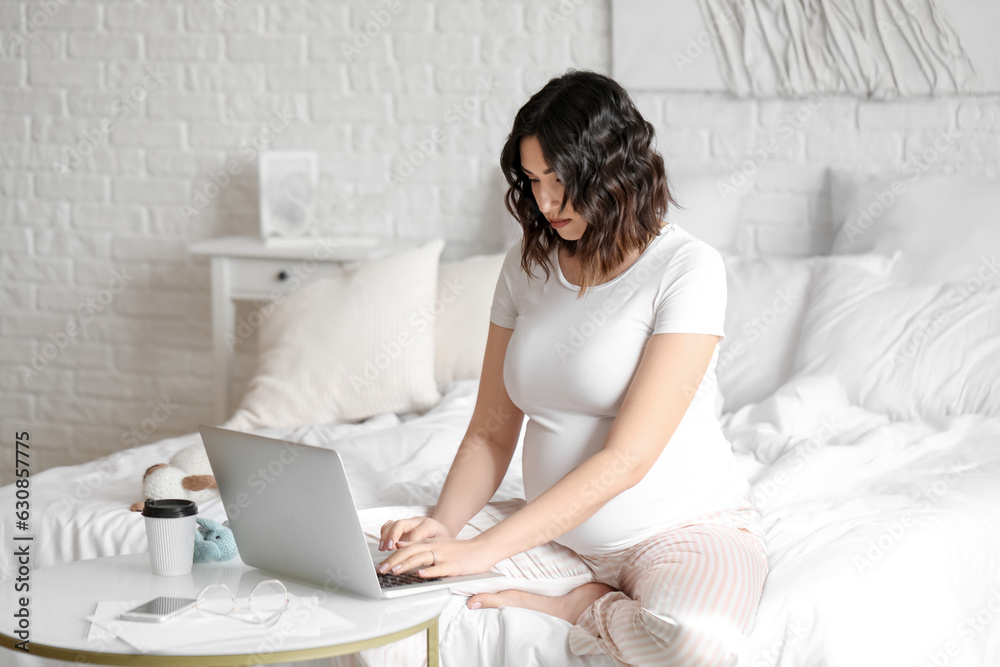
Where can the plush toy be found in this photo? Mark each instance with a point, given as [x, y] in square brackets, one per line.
[188, 475]
[213, 541]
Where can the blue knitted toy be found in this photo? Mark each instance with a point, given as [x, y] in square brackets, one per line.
[213, 541]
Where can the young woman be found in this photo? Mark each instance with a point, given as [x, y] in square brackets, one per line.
[611, 354]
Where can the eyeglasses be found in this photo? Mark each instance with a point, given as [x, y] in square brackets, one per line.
[267, 601]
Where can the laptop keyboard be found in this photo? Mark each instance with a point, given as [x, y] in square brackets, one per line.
[389, 580]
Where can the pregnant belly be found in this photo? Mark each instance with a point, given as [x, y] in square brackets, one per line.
[553, 448]
[548, 455]
[679, 484]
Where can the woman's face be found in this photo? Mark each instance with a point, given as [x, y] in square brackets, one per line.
[548, 192]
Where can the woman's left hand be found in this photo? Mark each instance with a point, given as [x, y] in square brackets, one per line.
[440, 557]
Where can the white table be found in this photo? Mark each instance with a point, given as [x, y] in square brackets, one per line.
[62, 596]
[243, 268]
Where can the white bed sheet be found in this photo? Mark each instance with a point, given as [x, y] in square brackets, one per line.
[834, 482]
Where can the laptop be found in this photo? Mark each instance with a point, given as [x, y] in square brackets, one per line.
[292, 513]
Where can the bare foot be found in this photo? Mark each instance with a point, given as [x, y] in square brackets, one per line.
[567, 607]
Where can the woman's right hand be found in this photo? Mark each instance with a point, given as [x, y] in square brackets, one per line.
[410, 530]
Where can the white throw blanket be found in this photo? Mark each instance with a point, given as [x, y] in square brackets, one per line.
[883, 538]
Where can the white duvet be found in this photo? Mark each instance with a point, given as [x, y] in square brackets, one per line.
[883, 537]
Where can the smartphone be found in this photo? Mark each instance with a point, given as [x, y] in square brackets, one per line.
[158, 609]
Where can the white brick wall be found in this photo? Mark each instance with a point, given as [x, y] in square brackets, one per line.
[62, 239]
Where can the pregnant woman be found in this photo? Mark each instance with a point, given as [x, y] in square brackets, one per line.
[604, 331]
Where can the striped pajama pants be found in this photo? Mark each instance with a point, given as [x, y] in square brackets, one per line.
[686, 596]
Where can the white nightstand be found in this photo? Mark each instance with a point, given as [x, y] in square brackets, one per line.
[243, 268]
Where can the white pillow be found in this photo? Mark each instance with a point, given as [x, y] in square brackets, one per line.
[944, 224]
[349, 346]
[764, 309]
[904, 350]
[462, 305]
[712, 208]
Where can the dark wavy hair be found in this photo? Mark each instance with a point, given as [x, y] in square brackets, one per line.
[596, 141]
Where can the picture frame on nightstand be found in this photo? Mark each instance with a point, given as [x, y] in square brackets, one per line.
[291, 203]
[287, 183]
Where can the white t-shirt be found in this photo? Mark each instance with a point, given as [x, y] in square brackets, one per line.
[569, 364]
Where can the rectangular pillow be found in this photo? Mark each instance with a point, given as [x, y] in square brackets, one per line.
[350, 346]
[944, 225]
[464, 294]
[905, 350]
[764, 309]
[711, 205]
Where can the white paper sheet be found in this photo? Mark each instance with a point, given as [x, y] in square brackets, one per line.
[303, 618]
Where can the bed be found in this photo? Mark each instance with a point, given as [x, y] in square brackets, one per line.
[858, 392]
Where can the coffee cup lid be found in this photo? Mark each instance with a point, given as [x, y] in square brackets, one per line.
[169, 508]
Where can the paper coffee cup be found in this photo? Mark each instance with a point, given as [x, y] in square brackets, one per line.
[170, 528]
